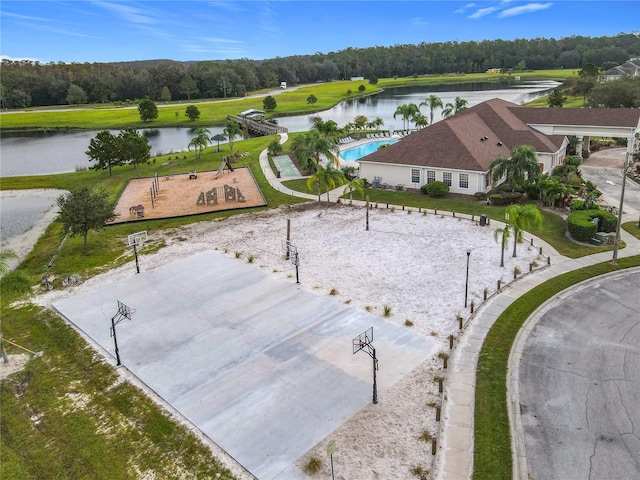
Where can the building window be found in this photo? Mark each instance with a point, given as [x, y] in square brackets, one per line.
[415, 175]
[431, 176]
[464, 180]
[446, 178]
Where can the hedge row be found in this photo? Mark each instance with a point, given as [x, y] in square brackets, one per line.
[583, 228]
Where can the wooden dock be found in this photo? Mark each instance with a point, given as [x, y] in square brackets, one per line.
[257, 127]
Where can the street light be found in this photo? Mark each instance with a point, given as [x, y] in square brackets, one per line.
[466, 284]
[619, 223]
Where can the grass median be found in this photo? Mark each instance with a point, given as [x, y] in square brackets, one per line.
[492, 448]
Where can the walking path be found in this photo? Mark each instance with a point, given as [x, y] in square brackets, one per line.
[454, 458]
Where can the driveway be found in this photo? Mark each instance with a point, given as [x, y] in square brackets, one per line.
[604, 168]
[579, 383]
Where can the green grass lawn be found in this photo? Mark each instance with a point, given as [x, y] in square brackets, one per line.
[214, 112]
[492, 449]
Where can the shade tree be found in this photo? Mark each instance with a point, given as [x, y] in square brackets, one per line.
[192, 113]
[83, 210]
[147, 110]
[104, 149]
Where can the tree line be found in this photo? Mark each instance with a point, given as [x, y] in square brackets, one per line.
[28, 83]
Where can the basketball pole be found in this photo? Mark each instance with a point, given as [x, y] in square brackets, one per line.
[375, 384]
[135, 252]
[367, 213]
[288, 236]
[115, 339]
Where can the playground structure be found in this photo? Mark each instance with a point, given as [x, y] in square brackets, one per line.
[190, 193]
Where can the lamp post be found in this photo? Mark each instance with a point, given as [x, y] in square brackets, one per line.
[619, 223]
[466, 283]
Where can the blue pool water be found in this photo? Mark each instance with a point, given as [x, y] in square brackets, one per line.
[356, 153]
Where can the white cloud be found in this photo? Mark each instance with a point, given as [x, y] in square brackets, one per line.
[419, 22]
[483, 12]
[128, 13]
[465, 8]
[221, 40]
[529, 8]
[20, 59]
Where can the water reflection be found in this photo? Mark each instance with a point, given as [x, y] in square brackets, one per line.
[56, 152]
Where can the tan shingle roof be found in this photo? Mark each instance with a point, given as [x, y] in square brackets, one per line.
[457, 142]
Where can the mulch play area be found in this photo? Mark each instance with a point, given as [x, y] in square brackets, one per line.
[188, 194]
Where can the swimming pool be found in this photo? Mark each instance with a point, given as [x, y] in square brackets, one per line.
[355, 153]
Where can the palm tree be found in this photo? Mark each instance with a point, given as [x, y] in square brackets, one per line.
[200, 141]
[406, 111]
[231, 130]
[328, 177]
[504, 233]
[378, 122]
[521, 166]
[458, 106]
[432, 103]
[274, 148]
[357, 184]
[521, 217]
[420, 121]
[312, 145]
[360, 122]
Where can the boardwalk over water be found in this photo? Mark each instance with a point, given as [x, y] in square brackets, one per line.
[257, 127]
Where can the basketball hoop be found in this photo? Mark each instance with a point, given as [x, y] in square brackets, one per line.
[364, 341]
[136, 240]
[124, 311]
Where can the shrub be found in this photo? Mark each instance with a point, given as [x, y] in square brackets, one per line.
[508, 187]
[480, 195]
[576, 205]
[15, 282]
[313, 465]
[572, 160]
[435, 189]
[582, 227]
[505, 198]
[532, 191]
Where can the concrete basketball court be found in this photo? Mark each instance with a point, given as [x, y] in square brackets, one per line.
[262, 366]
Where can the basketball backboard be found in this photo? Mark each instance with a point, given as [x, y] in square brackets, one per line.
[363, 340]
[137, 238]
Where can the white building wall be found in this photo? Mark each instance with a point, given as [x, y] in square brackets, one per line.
[394, 175]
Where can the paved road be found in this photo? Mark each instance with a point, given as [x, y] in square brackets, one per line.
[579, 378]
[604, 168]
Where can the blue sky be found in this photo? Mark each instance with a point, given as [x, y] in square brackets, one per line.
[111, 30]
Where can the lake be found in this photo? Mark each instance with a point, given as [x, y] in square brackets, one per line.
[40, 153]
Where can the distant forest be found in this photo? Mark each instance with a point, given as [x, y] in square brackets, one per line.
[25, 83]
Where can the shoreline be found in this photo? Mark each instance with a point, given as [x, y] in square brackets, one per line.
[23, 243]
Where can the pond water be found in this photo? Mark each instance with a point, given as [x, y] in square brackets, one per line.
[42, 153]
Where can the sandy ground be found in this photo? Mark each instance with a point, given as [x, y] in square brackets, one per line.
[178, 195]
[413, 263]
[22, 243]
